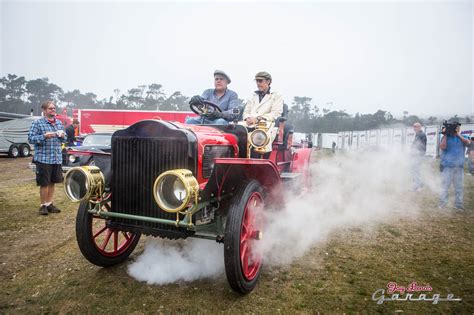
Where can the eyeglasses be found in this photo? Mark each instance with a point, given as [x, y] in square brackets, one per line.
[259, 80]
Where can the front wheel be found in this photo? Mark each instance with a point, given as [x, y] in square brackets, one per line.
[101, 245]
[243, 229]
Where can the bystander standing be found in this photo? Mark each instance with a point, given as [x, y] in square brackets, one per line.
[71, 133]
[47, 135]
[452, 164]
[418, 151]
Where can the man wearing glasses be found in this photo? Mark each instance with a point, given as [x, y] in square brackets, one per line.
[220, 95]
[264, 104]
[47, 135]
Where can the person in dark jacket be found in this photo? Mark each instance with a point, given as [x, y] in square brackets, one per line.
[71, 133]
[418, 151]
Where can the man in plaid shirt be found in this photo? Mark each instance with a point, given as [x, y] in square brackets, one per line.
[47, 135]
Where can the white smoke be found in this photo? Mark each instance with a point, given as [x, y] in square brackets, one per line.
[349, 189]
[166, 261]
[352, 189]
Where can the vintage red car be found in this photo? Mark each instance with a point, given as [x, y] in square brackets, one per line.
[172, 180]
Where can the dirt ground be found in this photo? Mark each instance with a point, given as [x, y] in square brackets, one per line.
[43, 271]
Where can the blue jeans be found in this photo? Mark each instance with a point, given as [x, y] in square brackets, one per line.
[453, 175]
[205, 121]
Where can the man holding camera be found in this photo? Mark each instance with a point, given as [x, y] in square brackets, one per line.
[226, 99]
[47, 135]
[453, 146]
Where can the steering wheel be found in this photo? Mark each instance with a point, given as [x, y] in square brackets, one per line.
[205, 108]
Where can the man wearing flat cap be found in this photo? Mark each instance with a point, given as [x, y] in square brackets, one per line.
[264, 103]
[220, 95]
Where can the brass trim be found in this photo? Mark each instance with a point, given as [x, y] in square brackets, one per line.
[94, 183]
[261, 126]
[190, 184]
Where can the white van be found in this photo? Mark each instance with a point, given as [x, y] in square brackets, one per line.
[14, 136]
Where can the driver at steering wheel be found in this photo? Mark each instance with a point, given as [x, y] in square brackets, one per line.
[264, 104]
[225, 98]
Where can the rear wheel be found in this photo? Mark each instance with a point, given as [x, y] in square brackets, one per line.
[101, 245]
[243, 228]
[24, 150]
[13, 151]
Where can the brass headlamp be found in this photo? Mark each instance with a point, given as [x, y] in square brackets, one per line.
[174, 190]
[259, 138]
[84, 183]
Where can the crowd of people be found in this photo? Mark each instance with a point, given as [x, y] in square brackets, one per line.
[48, 134]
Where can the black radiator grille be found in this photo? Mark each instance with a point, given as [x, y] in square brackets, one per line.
[137, 162]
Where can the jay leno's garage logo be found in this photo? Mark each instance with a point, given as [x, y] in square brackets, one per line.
[413, 292]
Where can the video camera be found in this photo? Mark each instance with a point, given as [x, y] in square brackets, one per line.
[449, 128]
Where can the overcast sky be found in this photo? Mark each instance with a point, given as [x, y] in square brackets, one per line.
[357, 56]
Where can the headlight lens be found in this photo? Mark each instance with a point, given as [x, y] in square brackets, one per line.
[259, 138]
[174, 190]
[84, 183]
[76, 185]
[72, 158]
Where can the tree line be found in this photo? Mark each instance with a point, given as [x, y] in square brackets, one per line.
[310, 118]
[19, 95]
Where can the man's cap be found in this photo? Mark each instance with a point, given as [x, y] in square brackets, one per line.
[263, 75]
[222, 73]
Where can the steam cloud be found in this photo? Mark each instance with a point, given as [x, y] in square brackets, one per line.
[349, 189]
[165, 261]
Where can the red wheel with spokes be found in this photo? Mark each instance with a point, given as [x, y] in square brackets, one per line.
[243, 230]
[100, 244]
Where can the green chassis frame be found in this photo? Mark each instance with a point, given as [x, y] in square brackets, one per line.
[213, 229]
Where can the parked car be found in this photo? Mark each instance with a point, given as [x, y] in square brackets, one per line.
[173, 180]
[93, 145]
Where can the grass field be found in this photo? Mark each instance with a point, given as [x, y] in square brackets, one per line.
[42, 269]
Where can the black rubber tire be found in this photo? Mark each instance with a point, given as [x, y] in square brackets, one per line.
[233, 265]
[25, 150]
[84, 231]
[13, 152]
